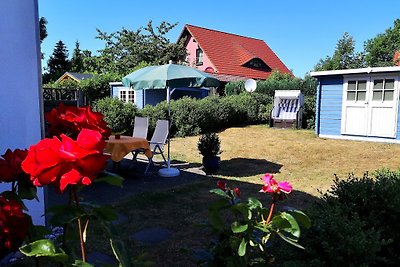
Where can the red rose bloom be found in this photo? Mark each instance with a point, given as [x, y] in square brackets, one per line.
[71, 120]
[221, 185]
[63, 162]
[10, 165]
[14, 225]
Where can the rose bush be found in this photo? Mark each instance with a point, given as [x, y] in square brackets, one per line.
[10, 165]
[71, 120]
[14, 225]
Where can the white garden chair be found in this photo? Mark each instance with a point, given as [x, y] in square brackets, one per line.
[157, 142]
[141, 127]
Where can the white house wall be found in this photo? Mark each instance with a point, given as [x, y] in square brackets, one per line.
[20, 76]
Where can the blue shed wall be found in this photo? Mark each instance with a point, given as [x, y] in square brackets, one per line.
[329, 105]
[139, 100]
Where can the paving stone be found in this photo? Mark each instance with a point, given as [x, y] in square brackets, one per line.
[99, 259]
[152, 236]
[120, 220]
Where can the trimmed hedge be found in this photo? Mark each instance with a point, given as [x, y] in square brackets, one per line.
[190, 116]
[119, 115]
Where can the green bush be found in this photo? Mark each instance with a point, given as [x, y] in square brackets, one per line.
[309, 112]
[98, 86]
[119, 115]
[356, 223]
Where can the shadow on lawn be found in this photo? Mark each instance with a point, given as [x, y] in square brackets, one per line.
[243, 167]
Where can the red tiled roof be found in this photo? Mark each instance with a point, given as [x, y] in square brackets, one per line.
[229, 52]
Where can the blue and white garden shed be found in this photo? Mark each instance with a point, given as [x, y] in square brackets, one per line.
[358, 104]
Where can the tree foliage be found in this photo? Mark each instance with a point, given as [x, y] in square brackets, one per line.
[77, 59]
[381, 49]
[58, 63]
[344, 56]
[43, 28]
[125, 49]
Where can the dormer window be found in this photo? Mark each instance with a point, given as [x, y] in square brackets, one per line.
[257, 63]
[199, 56]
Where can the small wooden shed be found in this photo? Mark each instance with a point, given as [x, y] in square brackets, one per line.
[152, 97]
[358, 104]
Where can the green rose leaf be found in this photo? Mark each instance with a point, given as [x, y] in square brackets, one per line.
[286, 222]
[239, 228]
[110, 178]
[254, 203]
[290, 240]
[301, 217]
[219, 192]
[242, 248]
[44, 248]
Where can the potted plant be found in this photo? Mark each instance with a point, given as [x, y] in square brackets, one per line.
[209, 146]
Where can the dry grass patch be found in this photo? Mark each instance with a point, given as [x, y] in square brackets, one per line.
[298, 156]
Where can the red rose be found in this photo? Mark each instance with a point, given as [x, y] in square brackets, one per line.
[221, 185]
[63, 162]
[10, 165]
[71, 120]
[237, 191]
[14, 225]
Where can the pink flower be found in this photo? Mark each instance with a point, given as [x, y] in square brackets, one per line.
[272, 186]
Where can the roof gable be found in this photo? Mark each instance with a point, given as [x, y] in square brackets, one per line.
[233, 54]
[75, 76]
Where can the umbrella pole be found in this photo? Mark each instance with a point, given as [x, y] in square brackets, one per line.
[169, 125]
[169, 172]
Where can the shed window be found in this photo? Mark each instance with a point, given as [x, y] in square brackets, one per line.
[383, 90]
[356, 90]
[199, 56]
[126, 96]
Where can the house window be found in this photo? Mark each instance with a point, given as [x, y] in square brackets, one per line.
[383, 90]
[199, 56]
[126, 96]
[357, 90]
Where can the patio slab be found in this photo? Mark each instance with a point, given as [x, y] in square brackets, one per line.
[152, 236]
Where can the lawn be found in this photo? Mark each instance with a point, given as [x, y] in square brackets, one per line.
[298, 156]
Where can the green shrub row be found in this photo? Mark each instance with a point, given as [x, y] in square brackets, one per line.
[355, 224]
[190, 116]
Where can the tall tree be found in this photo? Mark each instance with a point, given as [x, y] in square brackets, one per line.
[344, 56]
[58, 62]
[77, 64]
[125, 49]
[43, 28]
[380, 50]
[42, 31]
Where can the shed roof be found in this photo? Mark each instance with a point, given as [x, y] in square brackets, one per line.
[76, 76]
[355, 71]
[231, 53]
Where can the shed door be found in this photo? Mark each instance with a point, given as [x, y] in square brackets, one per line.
[370, 107]
[383, 107]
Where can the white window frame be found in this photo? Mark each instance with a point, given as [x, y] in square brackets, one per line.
[126, 95]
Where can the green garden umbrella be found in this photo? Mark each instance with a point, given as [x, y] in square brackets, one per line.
[169, 77]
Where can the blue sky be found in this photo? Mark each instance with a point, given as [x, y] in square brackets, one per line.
[299, 32]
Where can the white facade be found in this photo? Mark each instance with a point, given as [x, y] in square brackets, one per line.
[20, 77]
